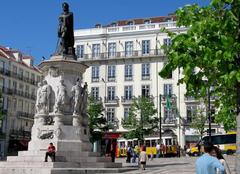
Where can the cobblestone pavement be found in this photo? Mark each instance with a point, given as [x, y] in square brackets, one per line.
[183, 165]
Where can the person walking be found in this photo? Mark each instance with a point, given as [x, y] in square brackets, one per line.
[217, 153]
[208, 164]
[129, 153]
[143, 158]
[158, 150]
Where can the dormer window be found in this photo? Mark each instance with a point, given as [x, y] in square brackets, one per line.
[130, 23]
[147, 21]
[114, 24]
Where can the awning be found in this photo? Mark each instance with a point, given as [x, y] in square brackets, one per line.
[110, 135]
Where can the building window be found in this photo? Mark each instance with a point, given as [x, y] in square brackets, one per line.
[145, 46]
[191, 112]
[130, 23]
[111, 93]
[80, 51]
[128, 72]
[14, 70]
[167, 41]
[145, 90]
[168, 89]
[145, 71]
[126, 113]
[95, 73]
[169, 116]
[95, 92]
[111, 72]
[95, 50]
[147, 21]
[128, 48]
[110, 115]
[128, 90]
[112, 49]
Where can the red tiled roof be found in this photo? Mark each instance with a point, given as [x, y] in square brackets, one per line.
[8, 53]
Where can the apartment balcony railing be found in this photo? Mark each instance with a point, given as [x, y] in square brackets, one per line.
[19, 134]
[25, 115]
[17, 76]
[122, 54]
[111, 100]
[127, 99]
[10, 91]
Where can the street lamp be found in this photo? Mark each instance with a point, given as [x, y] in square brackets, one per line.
[160, 119]
[209, 116]
[209, 112]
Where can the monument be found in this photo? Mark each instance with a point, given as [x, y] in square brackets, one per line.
[60, 116]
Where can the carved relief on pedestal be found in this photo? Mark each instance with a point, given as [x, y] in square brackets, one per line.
[49, 133]
[43, 97]
[61, 96]
[53, 72]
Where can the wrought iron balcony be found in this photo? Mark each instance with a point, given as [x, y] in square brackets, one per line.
[122, 54]
[111, 100]
[127, 99]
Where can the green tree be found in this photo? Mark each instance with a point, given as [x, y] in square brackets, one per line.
[142, 119]
[210, 49]
[199, 119]
[96, 120]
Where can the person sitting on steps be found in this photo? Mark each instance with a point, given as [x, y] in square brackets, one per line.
[50, 152]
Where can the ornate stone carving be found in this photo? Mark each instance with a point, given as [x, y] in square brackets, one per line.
[84, 100]
[77, 97]
[46, 134]
[43, 98]
[60, 98]
[53, 71]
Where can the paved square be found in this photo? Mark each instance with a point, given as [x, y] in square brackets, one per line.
[183, 165]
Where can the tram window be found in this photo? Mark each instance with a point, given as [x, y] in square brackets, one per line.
[147, 143]
[135, 142]
[168, 141]
[154, 143]
[122, 144]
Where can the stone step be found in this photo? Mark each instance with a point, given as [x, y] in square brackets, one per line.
[58, 159]
[60, 153]
[34, 158]
[33, 164]
[23, 170]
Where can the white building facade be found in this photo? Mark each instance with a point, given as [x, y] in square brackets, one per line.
[18, 82]
[125, 59]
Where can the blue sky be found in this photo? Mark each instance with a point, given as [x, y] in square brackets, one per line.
[31, 25]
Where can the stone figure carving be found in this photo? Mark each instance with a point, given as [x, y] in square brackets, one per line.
[65, 32]
[77, 97]
[84, 99]
[38, 104]
[43, 97]
[60, 97]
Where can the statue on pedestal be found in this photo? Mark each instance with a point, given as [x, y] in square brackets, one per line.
[84, 100]
[65, 32]
[77, 97]
[43, 98]
[60, 97]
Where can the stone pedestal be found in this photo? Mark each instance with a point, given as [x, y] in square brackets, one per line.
[56, 123]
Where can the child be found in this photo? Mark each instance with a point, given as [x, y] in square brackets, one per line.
[143, 158]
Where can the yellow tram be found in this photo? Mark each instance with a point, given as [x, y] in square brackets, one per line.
[169, 142]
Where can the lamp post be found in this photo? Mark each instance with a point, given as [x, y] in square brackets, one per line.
[160, 118]
[209, 116]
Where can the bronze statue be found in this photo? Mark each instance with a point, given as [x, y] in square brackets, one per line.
[65, 32]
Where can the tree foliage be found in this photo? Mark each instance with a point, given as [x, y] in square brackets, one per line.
[142, 119]
[199, 119]
[96, 120]
[209, 49]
